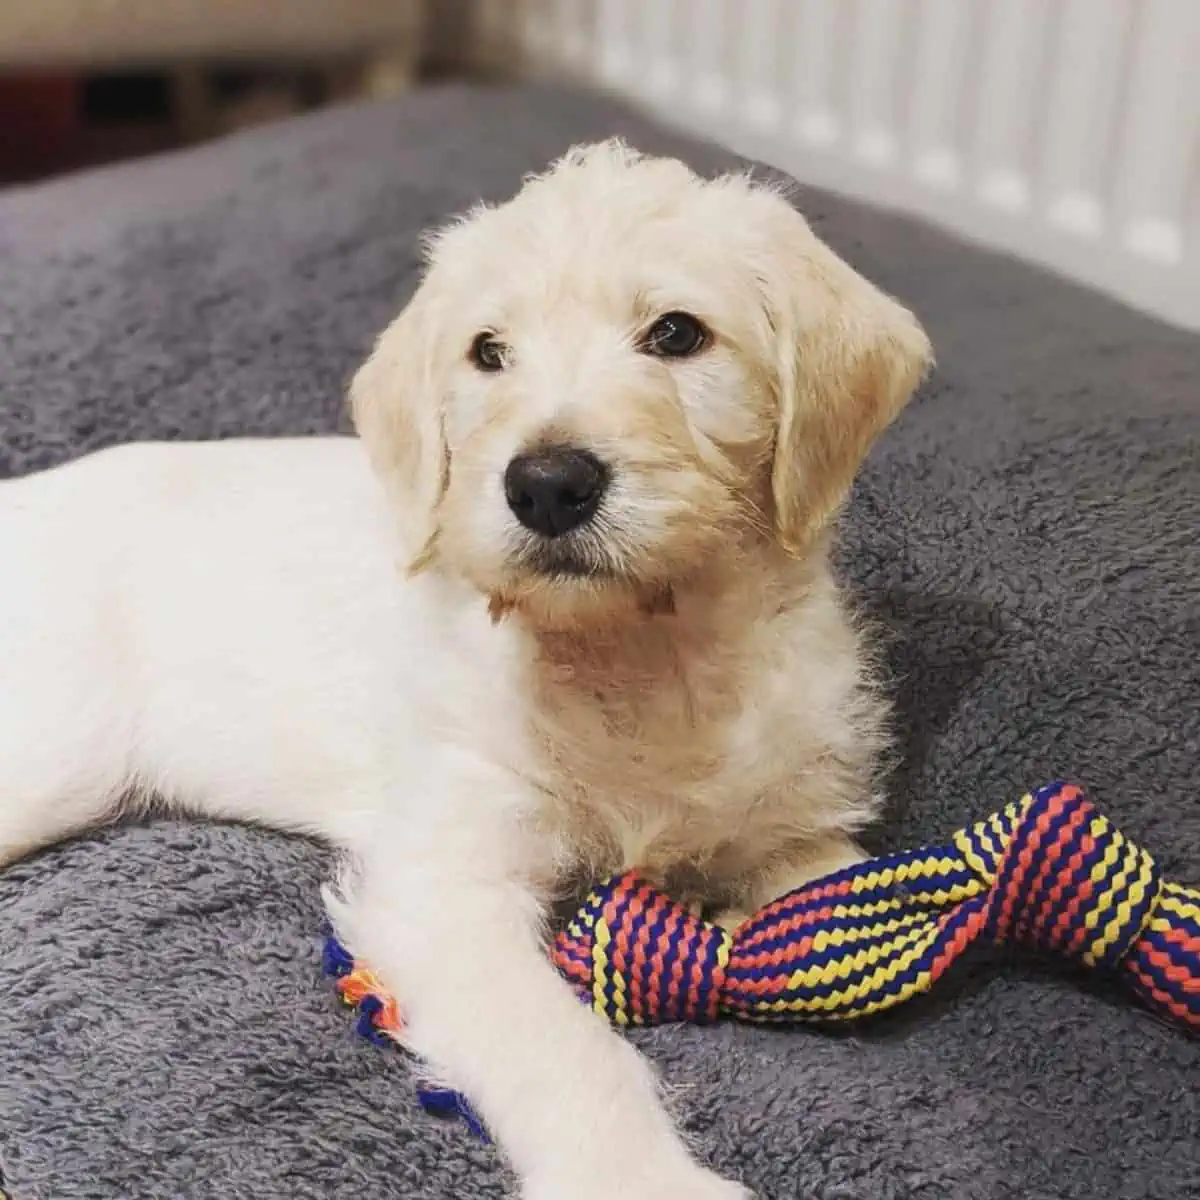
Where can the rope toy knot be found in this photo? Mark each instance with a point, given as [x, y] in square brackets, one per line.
[641, 958]
[1049, 873]
[1064, 880]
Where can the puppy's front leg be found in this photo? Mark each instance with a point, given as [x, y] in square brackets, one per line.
[443, 912]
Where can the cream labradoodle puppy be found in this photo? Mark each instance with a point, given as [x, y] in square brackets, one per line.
[564, 608]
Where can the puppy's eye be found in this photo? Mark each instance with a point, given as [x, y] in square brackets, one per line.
[488, 353]
[675, 335]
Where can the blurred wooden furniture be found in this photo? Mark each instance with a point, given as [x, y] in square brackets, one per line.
[121, 33]
[359, 46]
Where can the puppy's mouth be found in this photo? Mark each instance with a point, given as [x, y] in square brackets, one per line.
[565, 581]
[566, 559]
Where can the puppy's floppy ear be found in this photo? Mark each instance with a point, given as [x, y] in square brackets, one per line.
[399, 414]
[848, 359]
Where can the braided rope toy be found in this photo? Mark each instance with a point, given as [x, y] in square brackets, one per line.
[1049, 873]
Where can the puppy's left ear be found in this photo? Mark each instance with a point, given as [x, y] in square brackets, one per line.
[848, 359]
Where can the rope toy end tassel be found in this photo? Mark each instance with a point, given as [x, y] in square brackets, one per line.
[378, 1020]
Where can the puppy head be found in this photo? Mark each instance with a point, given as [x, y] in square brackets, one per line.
[621, 379]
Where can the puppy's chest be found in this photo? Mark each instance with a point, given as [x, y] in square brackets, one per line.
[634, 757]
[655, 735]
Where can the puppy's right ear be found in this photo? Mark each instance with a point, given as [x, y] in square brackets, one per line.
[398, 411]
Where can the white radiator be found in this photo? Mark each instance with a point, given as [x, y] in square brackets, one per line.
[1065, 131]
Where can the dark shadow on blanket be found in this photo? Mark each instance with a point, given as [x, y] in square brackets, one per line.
[932, 648]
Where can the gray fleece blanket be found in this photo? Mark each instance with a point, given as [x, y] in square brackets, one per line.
[1025, 539]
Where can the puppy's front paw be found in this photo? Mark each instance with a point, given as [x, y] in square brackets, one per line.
[683, 1183]
[731, 918]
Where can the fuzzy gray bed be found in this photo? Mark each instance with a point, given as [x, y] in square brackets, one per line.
[1026, 537]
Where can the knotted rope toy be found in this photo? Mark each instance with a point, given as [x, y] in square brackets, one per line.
[1049, 873]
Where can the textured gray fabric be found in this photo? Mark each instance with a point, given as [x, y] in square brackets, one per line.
[1026, 538]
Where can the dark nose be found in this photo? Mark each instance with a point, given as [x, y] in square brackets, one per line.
[555, 491]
